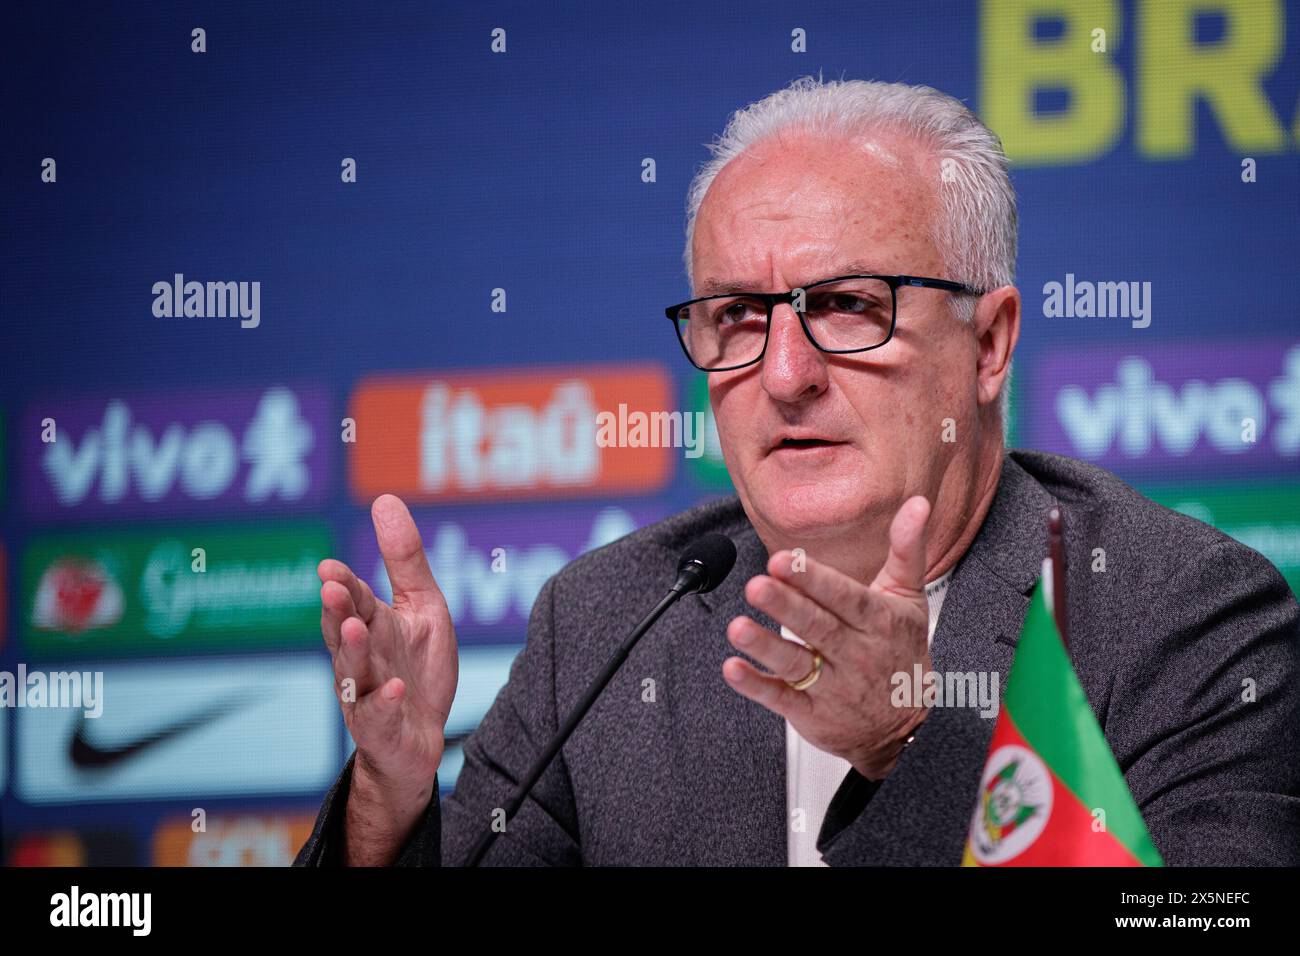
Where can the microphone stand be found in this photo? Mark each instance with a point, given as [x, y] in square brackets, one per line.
[1056, 550]
[688, 579]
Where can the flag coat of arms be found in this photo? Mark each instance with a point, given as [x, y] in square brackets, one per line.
[1051, 793]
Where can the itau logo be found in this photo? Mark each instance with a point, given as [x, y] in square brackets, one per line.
[504, 434]
[180, 452]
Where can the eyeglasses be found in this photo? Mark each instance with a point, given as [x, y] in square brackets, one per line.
[842, 315]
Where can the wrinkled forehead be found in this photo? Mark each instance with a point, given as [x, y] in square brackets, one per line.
[802, 203]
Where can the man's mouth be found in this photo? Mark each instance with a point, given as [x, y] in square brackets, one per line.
[792, 443]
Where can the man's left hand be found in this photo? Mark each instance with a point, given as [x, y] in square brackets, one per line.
[865, 635]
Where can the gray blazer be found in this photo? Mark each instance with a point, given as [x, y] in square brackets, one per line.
[1162, 641]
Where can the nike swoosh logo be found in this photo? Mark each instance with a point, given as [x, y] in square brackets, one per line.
[89, 756]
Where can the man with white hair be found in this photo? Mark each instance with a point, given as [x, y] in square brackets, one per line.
[851, 252]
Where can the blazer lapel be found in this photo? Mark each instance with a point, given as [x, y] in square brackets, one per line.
[984, 609]
[728, 750]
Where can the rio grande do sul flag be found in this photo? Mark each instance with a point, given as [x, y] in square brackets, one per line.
[1049, 768]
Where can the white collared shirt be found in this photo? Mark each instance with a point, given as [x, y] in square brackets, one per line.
[813, 776]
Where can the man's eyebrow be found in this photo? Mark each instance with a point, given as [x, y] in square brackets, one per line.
[718, 286]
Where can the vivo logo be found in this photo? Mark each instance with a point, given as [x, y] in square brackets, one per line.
[485, 585]
[1139, 412]
[134, 453]
[490, 567]
[1201, 406]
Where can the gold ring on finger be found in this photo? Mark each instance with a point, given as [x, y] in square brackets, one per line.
[812, 676]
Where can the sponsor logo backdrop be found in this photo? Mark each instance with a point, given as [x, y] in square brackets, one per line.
[427, 257]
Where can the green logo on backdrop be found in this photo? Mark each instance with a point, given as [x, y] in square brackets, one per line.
[709, 469]
[176, 590]
[1264, 516]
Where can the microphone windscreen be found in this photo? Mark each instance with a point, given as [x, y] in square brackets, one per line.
[715, 554]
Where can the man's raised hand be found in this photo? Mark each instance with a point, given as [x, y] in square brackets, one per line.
[395, 673]
[866, 633]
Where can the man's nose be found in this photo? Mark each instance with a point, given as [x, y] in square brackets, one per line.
[793, 368]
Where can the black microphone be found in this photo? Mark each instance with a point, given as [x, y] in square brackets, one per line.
[705, 563]
[702, 567]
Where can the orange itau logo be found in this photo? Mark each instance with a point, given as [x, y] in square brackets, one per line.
[504, 433]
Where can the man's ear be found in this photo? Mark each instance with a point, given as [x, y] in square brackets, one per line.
[997, 329]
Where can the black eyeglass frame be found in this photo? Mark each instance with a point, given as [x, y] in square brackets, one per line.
[773, 299]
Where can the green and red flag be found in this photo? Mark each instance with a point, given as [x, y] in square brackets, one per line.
[1051, 793]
